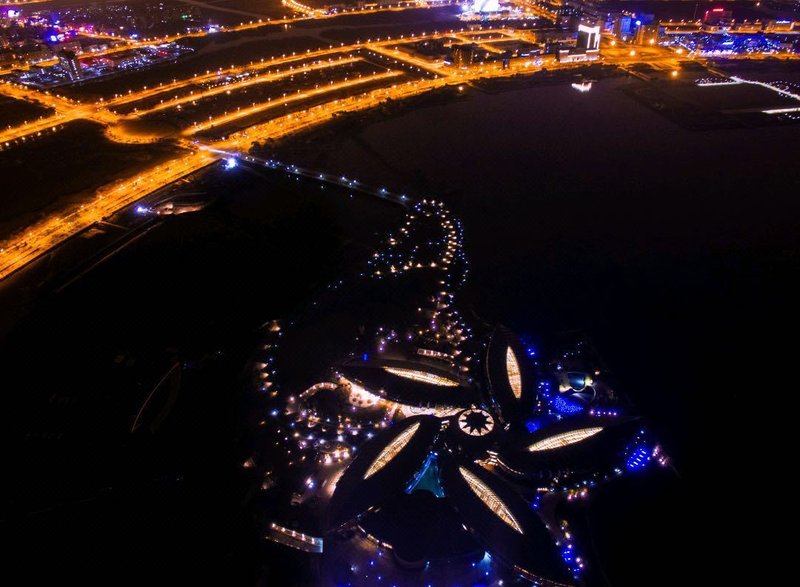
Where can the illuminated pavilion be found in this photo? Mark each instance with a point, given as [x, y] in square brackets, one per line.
[432, 448]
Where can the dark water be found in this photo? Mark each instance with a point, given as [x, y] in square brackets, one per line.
[671, 248]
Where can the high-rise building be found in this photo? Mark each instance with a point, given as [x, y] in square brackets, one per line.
[70, 64]
[588, 37]
[623, 25]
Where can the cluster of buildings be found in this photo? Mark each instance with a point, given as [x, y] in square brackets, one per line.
[582, 44]
[637, 27]
[150, 18]
[719, 33]
[715, 32]
[26, 40]
[587, 46]
[30, 35]
[418, 449]
[72, 65]
[483, 10]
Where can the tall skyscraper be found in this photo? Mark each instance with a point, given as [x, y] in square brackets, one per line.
[70, 64]
[588, 37]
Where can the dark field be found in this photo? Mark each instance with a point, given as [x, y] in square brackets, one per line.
[270, 8]
[221, 104]
[221, 131]
[168, 95]
[98, 498]
[14, 112]
[77, 160]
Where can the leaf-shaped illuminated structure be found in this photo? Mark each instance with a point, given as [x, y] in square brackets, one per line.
[490, 498]
[564, 439]
[422, 376]
[391, 450]
[514, 378]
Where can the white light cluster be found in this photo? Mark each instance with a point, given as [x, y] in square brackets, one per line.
[564, 439]
[422, 376]
[391, 450]
[512, 369]
[490, 498]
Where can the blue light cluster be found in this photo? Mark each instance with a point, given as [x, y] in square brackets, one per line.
[562, 405]
[639, 453]
[638, 458]
[574, 562]
[596, 412]
[529, 347]
[569, 559]
[565, 406]
[713, 44]
[427, 477]
[533, 425]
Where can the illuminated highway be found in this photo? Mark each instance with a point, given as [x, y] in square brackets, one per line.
[65, 111]
[297, 121]
[483, 42]
[309, 11]
[340, 95]
[438, 68]
[333, 87]
[305, 13]
[42, 237]
[259, 79]
[34, 128]
[209, 76]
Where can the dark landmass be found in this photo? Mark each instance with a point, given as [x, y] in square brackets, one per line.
[169, 499]
[14, 112]
[66, 166]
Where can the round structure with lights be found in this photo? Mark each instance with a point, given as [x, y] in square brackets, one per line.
[475, 422]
